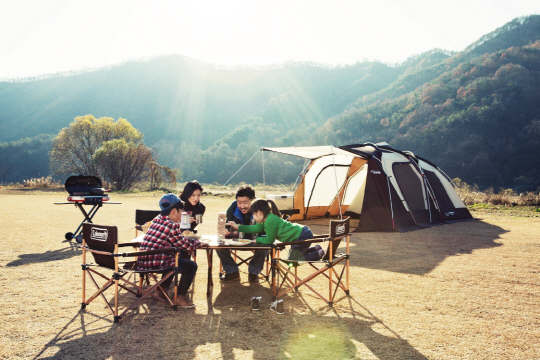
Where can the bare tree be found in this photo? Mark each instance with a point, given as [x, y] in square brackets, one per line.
[5, 172]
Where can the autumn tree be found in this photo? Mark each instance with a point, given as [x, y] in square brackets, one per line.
[73, 148]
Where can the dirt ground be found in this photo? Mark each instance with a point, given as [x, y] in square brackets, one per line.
[469, 290]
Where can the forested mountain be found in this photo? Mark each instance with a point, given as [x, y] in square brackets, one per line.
[173, 98]
[474, 113]
[476, 116]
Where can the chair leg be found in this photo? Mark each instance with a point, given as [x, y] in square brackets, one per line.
[116, 277]
[347, 267]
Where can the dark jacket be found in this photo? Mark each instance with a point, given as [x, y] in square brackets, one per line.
[234, 214]
[195, 210]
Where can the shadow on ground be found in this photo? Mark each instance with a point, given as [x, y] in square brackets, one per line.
[418, 252]
[54, 255]
[230, 332]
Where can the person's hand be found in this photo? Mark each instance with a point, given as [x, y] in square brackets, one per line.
[233, 225]
[192, 219]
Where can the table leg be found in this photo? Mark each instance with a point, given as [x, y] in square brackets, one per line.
[209, 256]
[273, 266]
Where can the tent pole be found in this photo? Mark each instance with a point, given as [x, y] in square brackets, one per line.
[306, 163]
[222, 186]
[389, 193]
[337, 185]
[264, 179]
[424, 180]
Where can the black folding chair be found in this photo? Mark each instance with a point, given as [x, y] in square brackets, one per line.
[102, 242]
[142, 217]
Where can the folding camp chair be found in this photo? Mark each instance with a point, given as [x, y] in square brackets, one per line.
[102, 242]
[142, 217]
[287, 279]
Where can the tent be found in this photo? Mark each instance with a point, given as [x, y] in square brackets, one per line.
[386, 189]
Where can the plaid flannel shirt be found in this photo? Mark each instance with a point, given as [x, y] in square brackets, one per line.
[163, 233]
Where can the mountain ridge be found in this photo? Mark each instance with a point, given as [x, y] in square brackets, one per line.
[213, 113]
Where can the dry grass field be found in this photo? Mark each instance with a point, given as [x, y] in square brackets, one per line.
[469, 290]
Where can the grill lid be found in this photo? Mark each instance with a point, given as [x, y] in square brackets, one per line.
[82, 185]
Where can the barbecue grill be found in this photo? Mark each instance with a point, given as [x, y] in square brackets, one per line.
[85, 190]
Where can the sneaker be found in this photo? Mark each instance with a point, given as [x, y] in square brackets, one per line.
[277, 306]
[320, 251]
[256, 303]
[230, 276]
[184, 303]
[253, 278]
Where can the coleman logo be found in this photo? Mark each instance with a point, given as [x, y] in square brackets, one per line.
[99, 234]
[340, 229]
[375, 172]
[450, 213]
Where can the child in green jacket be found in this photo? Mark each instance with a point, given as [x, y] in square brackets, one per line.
[264, 212]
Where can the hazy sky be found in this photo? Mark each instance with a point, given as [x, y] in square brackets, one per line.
[49, 36]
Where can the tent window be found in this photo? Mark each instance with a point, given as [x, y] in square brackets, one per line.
[410, 185]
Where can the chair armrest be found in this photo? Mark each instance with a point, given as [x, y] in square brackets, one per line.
[325, 236]
[95, 251]
[151, 252]
[132, 244]
[282, 245]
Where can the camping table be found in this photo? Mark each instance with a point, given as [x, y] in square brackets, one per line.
[212, 245]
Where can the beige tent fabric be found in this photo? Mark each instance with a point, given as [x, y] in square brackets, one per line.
[355, 196]
[316, 194]
[309, 152]
[352, 188]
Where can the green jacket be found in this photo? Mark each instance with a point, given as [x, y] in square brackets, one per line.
[276, 229]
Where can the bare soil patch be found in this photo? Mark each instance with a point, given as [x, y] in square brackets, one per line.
[462, 291]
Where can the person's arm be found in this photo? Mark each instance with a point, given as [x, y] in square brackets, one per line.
[178, 240]
[270, 226]
[251, 228]
[199, 210]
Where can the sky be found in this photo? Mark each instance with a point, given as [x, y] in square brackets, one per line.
[40, 37]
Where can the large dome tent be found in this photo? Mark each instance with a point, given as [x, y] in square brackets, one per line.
[386, 189]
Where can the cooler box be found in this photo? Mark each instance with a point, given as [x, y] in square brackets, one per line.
[283, 202]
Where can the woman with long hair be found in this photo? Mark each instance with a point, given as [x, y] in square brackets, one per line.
[191, 196]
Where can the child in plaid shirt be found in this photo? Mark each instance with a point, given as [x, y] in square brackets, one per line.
[165, 232]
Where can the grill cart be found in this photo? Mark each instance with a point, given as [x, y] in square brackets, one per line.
[85, 190]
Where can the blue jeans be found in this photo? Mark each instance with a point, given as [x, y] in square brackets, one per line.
[302, 252]
[255, 265]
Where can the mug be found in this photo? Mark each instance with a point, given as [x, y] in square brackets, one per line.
[198, 218]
